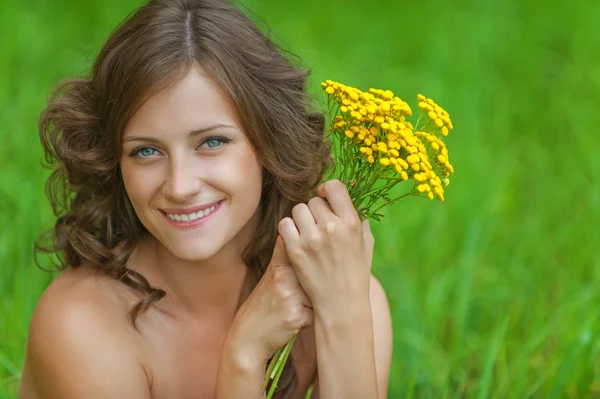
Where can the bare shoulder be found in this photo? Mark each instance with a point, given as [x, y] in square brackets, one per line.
[81, 343]
[377, 292]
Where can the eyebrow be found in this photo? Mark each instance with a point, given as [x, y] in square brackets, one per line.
[193, 133]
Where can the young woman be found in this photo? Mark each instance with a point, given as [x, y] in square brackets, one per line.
[194, 237]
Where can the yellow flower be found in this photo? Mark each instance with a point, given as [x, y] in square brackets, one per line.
[378, 119]
[388, 95]
[423, 187]
[419, 177]
[439, 191]
[412, 158]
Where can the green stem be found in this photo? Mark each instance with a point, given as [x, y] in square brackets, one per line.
[390, 202]
[270, 370]
[287, 349]
[418, 120]
[372, 179]
[380, 190]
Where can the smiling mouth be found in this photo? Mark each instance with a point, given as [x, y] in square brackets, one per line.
[192, 216]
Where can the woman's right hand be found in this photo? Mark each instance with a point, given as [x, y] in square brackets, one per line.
[274, 312]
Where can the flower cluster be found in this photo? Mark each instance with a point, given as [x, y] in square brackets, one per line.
[374, 125]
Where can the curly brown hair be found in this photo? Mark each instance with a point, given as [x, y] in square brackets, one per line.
[82, 126]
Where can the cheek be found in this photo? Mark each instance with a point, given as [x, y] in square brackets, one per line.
[252, 176]
[239, 168]
[139, 183]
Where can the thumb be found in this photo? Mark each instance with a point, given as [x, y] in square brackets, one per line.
[280, 255]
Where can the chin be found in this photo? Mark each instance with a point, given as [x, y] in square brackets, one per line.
[193, 252]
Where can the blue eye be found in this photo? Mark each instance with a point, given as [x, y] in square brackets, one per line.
[213, 142]
[144, 152]
[147, 152]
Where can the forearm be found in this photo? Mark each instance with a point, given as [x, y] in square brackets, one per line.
[239, 376]
[345, 353]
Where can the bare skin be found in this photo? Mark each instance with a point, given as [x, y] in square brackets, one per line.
[170, 356]
[167, 357]
[213, 333]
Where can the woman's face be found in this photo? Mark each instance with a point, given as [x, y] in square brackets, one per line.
[190, 172]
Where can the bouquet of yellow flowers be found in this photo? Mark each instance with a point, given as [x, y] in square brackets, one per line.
[375, 148]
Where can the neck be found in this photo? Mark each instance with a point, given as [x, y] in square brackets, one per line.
[211, 288]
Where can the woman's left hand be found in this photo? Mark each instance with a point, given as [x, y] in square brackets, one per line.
[330, 249]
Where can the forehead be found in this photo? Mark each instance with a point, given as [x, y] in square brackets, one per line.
[191, 103]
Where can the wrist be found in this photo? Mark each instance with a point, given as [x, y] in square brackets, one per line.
[240, 373]
[344, 314]
[243, 357]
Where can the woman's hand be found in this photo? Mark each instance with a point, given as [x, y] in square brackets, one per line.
[274, 312]
[330, 250]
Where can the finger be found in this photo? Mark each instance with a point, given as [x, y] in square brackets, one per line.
[280, 256]
[288, 232]
[308, 316]
[338, 198]
[307, 302]
[320, 210]
[301, 293]
[303, 218]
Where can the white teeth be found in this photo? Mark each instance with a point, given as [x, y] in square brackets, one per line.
[190, 217]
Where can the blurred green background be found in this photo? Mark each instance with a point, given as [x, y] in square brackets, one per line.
[494, 293]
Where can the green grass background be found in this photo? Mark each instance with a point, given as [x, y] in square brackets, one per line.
[494, 293]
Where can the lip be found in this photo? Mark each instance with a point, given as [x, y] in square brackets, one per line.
[185, 211]
[185, 225]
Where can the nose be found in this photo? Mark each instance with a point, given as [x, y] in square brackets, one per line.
[181, 182]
